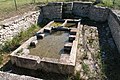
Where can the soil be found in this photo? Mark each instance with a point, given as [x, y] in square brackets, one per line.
[20, 11]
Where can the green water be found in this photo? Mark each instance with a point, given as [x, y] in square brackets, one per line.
[70, 25]
[56, 24]
[51, 46]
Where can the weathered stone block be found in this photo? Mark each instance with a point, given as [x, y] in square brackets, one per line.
[33, 43]
[11, 76]
[73, 31]
[67, 46]
[40, 35]
[60, 28]
[48, 30]
[98, 13]
[72, 38]
[26, 51]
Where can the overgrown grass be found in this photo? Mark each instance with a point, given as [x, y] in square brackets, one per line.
[9, 4]
[11, 45]
[1, 58]
[106, 3]
[115, 4]
[85, 68]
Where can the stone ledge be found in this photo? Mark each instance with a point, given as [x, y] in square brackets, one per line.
[64, 65]
[10, 76]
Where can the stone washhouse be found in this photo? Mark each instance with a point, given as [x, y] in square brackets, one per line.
[55, 12]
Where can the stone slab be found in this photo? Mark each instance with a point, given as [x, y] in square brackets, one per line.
[68, 46]
[11, 76]
[72, 38]
[48, 30]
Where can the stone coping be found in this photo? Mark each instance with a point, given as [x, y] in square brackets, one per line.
[18, 18]
[115, 15]
[11, 76]
[25, 60]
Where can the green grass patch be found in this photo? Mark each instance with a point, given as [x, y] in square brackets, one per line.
[56, 24]
[85, 68]
[11, 45]
[115, 4]
[1, 58]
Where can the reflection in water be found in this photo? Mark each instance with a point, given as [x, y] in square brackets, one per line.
[51, 45]
[56, 24]
[70, 25]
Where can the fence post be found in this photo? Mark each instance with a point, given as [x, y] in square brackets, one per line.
[34, 1]
[15, 4]
[113, 2]
[47, 1]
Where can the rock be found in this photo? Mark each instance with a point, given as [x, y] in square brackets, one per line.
[33, 43]
[72, 38]
[26, 51]
[13, 26]
[48, 30]
[40, 35]
[73, 31]
[67, 46]
[60, 28]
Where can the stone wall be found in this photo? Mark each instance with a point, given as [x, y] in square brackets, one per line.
[98, 13]
[10, 76]
[67, 10]
[74, 10]
[114, 24]
[52, 10]
[11, 27]
[81, 9]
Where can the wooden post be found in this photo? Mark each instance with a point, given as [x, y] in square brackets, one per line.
[46, 1]
[113, 2]
[15, 4]
[34, 1]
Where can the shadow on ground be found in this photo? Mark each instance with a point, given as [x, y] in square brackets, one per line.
[110, 56]
[38, 74]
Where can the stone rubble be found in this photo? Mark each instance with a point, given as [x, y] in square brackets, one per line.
[9, 28]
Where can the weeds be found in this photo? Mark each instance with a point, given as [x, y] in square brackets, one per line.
[1, 58]
[85, 68]
[77, 76]
[11, 45]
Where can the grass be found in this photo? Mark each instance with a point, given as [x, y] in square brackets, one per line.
[8, 9]
[77, 76]
[1, 58]
[11, 45]
[85, 68]
[9, 4]
[110, 4]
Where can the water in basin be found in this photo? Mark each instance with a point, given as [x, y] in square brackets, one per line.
[51, 46]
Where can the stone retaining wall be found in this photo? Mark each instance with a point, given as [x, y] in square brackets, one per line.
[52, 10]
[98, 13]
[10, 76]
[74, 9]
[11, 27]
[114, 24]
[81, 9]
